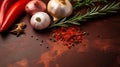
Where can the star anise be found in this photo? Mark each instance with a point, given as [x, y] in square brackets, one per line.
[19, 29]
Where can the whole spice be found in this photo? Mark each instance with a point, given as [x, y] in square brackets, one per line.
[19, 28]
[4, 7]
[13, 13]
[69, 36]
[40, 20]
[35, 6]
[59, 8]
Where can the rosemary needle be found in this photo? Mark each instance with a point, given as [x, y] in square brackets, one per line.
[80, 3]
[93, 13]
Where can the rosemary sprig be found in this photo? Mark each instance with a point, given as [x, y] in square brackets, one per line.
[95, 12]
[79, 3]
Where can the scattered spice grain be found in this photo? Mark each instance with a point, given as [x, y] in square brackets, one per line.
[42, 41]
[47, 47]
[37, 39]
[32, 36]
[70, 36]
[40, 44]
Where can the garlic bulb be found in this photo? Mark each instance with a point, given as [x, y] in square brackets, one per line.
[40, 20]
[59, 8]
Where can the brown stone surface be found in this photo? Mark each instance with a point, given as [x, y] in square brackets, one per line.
[101, 48]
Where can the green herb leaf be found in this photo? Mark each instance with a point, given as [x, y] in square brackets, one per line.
[93, 13]
[79, 3]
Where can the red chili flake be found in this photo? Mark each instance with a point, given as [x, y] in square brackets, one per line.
[70, 36]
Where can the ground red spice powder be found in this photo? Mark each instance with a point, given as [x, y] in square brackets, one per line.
[70, 36]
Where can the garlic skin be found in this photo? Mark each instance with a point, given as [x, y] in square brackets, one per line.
[59, 8]
[40, 20]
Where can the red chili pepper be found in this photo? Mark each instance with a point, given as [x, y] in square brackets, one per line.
[0, 2]
[4, 6]
[13, 13]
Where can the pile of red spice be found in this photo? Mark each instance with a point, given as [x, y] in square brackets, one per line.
[70, 36]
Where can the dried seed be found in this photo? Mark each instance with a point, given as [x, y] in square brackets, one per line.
[47, 47]
[37, 39]
[40, 44]
[42, 41]
[31, 36]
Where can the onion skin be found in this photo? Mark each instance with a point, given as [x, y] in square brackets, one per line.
[40, 20]
[35, 6]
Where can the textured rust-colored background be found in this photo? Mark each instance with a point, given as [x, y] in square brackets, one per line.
[101, 48]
